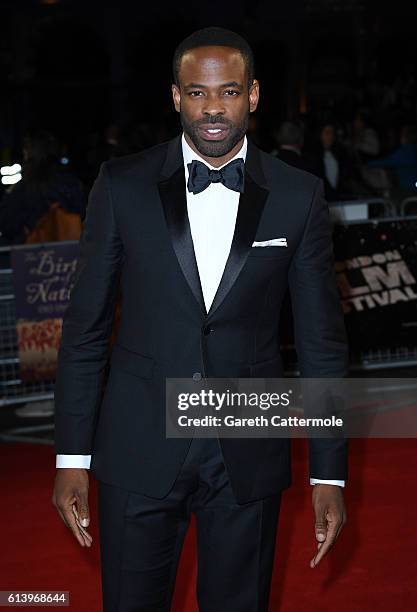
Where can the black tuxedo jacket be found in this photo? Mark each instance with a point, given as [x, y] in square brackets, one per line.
[136, 233]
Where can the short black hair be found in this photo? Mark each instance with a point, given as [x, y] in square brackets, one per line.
[214, 36]
[290, 133]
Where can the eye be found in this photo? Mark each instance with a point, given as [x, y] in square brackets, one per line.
[195, 94]
[232, 92]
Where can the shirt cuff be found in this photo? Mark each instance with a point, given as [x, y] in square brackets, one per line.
[339, 483]
[73, 461]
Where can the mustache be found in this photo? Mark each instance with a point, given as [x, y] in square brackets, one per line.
[217, 119]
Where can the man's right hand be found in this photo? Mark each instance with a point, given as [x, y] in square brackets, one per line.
[70, 498]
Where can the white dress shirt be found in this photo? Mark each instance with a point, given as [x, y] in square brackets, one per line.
[331, 168]
[212, 215]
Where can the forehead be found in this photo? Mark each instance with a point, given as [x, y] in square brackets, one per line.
[213, 63]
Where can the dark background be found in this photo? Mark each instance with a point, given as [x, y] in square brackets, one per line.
[76, 67]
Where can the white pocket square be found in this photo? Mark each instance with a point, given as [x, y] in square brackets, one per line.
[272, 242]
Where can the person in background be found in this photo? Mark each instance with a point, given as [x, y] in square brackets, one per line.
[402, 161]
[290, 140]
[329, 162]
[118, 140]
[45, 181]
[364, 139]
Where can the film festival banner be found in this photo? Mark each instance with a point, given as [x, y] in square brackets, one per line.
[376, 268]
[43, 277]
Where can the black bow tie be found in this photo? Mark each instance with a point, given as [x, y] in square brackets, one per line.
[232, 175]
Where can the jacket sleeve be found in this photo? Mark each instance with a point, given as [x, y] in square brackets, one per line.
[320, 335]
[87, 323]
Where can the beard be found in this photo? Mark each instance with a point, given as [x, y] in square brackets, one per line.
[214, 148]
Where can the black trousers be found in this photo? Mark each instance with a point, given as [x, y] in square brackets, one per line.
[141, 540]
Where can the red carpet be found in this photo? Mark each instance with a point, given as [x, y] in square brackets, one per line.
[374, 563]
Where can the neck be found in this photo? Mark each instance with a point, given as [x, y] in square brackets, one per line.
[216, 161]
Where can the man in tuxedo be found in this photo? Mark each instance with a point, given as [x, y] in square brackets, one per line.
[203, 234]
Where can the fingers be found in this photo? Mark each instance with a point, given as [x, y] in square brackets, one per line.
[325, 546]
[334, 527]
[82, 515]
[320, 528]
[341, 523]
[83, 510]
[69, 519]
[87, 537]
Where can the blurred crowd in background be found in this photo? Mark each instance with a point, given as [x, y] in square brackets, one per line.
[370, 152]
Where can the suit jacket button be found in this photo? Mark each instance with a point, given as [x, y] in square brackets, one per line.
[207, 330]
[197, 376]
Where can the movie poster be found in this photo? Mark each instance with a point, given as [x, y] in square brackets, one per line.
[43, 277]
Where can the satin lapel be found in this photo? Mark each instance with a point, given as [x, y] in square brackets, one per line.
[251, 205]
[174, 201]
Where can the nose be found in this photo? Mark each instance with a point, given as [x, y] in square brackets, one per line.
[213, 105]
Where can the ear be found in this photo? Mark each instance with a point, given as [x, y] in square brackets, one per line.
[253, 96]
[176, 96]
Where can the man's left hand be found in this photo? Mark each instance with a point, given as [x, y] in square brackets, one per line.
[330, 512]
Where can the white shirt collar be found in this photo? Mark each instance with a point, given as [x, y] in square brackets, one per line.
[189, 154]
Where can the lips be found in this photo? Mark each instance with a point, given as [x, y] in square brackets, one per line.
[213, 131]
